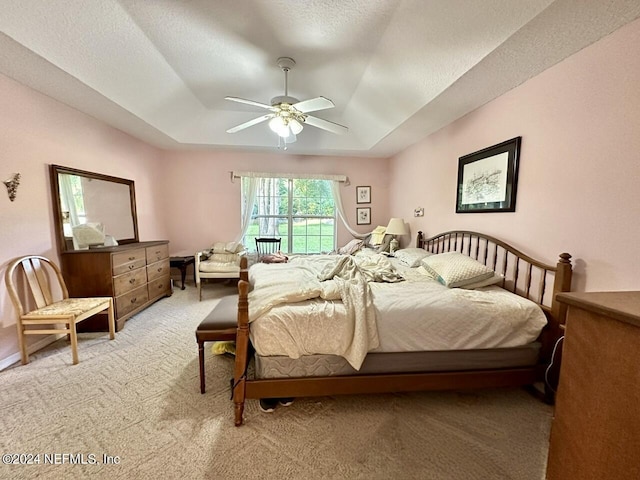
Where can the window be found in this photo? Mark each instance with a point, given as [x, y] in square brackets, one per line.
[300, 211]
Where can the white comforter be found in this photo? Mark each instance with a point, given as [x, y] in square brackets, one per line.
[414, 315]
[327, 278]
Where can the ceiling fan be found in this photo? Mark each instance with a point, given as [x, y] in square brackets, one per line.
[287, 114]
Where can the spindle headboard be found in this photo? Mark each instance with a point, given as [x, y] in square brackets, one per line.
[522, 275]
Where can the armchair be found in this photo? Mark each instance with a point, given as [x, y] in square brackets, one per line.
[222, 260]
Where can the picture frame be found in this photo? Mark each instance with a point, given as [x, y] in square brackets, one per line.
[363, 216]
[363, 194]
[488, 179]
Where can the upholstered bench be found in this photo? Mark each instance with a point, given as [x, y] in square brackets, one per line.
[220, 325]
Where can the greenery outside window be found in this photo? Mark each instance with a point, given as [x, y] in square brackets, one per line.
[300, 211]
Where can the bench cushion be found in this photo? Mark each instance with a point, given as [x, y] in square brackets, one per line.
[223, 316]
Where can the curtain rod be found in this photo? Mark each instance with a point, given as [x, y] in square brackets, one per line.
[340, 178]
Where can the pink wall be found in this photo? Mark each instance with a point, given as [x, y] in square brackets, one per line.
[36, 131]
[578, 192]
[578, 188]
[184, 197]
[202, 206]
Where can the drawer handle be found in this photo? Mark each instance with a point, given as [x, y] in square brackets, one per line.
[133, 300]
[132, 281]
[132, 258]
[159, 269]
[160, 287]
[131, 267]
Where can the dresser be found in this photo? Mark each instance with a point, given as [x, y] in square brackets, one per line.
[595, 432]
[135, 275]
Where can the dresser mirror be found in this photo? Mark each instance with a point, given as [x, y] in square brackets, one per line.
[92, 210]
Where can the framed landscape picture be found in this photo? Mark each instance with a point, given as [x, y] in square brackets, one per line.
[363, 194]
[363, 216]
[487, 179]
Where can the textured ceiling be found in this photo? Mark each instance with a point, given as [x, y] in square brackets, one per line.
[396, 70]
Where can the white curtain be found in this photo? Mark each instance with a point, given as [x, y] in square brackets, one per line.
[337, 200]
[249, 192]
[250, 188]
[67, 201]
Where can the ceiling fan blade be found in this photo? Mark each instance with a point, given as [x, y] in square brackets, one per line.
[325, 125]
[313, 105]
[250, 102]
[250, 123]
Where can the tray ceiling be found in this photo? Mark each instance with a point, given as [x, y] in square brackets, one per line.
[397, 70]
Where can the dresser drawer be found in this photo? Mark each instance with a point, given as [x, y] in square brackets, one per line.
[128, 261]
[129, 281]
[132, 300]
[157, 253]
[159, 287]
[158, 269]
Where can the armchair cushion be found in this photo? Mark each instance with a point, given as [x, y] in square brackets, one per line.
[221, 262]
[228, 247]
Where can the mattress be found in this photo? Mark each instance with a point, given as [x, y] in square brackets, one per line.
[408, 362]
[415, 315]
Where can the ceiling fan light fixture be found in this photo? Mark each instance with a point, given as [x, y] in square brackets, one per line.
[296, 126]
[278, 125]
[289, 115]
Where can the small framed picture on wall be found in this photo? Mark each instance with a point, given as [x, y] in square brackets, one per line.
[363, 216]
[363, 194]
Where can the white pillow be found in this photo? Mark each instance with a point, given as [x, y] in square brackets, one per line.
[377, 235]
[218, 247]
[228, 247]
[233, 247]
[352, 247]
[485, 283]
[411, 256]
[454, 269]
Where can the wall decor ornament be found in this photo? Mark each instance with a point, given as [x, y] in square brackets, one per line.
[363, 216]
[12, 186]
[488, 178]
[363, 194]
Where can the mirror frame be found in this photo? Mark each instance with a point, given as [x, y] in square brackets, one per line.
[55, 170]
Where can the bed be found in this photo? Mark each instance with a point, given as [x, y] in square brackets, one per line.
[384, 361]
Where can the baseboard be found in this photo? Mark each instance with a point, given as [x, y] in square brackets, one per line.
[11, 359]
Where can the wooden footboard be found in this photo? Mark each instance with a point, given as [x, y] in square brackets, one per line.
[522, 275]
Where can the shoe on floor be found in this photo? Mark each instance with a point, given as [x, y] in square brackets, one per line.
[285, 402]
[268, 405]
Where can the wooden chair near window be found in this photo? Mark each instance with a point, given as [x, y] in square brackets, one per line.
[267, 246]
[51, 316]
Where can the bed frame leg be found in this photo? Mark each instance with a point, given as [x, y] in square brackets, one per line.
[242, 352]
[238, 413]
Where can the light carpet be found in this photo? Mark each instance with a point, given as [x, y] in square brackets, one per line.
[137, 398]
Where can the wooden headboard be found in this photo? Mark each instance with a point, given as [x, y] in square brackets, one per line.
[522, 274]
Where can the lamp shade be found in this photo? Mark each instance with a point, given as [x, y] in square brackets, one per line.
[278, 126]
[295, 125]
[396, 227]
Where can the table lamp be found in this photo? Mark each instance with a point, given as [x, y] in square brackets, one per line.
[396, 227]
